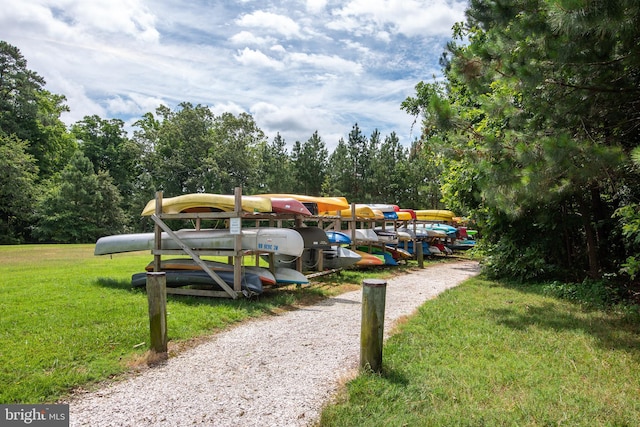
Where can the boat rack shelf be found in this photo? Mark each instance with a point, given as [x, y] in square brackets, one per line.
[237, 253]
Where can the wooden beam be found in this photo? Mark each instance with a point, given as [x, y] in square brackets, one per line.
[197, 292]
[194, 256]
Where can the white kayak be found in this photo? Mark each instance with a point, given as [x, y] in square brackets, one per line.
[264, 239]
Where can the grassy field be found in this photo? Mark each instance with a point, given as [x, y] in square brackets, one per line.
[483, 353]
[69, 318]
[487, 354]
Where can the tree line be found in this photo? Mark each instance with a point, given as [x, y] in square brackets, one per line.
[533, 133]
[74, 184]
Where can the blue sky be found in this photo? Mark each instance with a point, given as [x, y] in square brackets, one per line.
[295, 66]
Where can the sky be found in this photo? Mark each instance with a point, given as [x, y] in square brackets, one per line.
[296, 66]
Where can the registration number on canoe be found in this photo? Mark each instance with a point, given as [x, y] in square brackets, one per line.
[267, 247]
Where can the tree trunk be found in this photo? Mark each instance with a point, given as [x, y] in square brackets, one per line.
[592, 241]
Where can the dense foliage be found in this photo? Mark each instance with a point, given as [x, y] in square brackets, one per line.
[534, 128]
[92, 179]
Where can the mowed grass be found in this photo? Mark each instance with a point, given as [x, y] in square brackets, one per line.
[486, 354]
[69, 319]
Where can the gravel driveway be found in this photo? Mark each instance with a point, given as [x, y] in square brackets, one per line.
[274, 371]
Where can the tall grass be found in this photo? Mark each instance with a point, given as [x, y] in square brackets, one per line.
[484, 354]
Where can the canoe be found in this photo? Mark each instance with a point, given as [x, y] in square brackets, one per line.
[338, 237]
[340, 257]
[361, 211]
[449, 230]
[366, 234]
[383, 207]
[403, 235]
[422, 232]
[404, 216]
[337, 257]
[290, 276]
[398, 254]
[266, 277]
[369, 259]
[264, 239]
[434, 215]
[207, 202]
[282, 276]
[386, 235]
[408, 247]
[176, 278]
[410, 211]
[388, 211]
[462, 244]
[378, 251]
[313, 237]
[287, 205]
[324, 204]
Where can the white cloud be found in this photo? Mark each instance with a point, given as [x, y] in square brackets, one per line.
[297, 122]
[324, 62]
[255, 58]
[248, 38]
[279, 24]
[226, 107]
[297, 66]
[130, 17]
[410, 18]
[133, 104]
[316, 6]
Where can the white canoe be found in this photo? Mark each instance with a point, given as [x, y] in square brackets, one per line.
[344, 258]
[367, 234]
[264, 239]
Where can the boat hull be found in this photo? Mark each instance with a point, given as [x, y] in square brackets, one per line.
[207, 202]
[266, 277]
[324, 204]
[177, 278]
[276, 240]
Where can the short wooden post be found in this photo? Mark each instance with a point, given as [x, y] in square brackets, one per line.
[372, 329]
[157, 297]
[419, 254]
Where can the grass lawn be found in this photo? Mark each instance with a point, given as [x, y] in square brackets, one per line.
[487, 354]
[69, 319]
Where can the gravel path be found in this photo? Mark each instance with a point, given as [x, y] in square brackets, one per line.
[275, 371]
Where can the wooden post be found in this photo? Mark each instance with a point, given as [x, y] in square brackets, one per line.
[157, 297]
[157, 258]
[237, 264]
[372, 329]
[418, 247]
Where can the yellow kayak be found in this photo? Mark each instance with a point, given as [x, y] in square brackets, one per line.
[362, 211]
[434, 215]
[207, 202]
[404, 216]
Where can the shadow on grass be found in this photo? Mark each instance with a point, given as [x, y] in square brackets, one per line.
[611, 330]
[394, 377]
[272, 301]
[122, 285]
